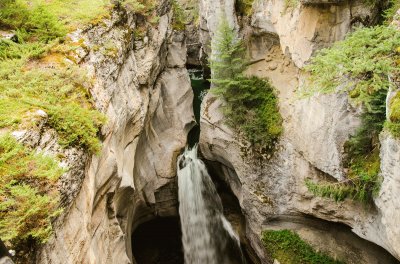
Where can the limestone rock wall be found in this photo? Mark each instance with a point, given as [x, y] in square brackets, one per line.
[280, 42]
[144, 89]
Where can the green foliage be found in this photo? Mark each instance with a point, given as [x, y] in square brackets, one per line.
[394, 5]
[50, 19]
[363, 160]
[143, 7]
[78, 127]
[28, 195]
[228, 56]
[35, 74]
[57, 91]
[244, 7]
[361, 63]
[179, 17]
[252, 107]
[250, 103]
[36, 22]
[12, 50]
[288, 248]
[394, 116]
[45, 25]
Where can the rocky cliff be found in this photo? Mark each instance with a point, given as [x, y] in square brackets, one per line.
[142, 85]
[144, 89]
[272, 190]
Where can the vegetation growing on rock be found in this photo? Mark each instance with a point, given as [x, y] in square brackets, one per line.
[39, 70]
[288, 248]
[364, 66]
[28, 193]
[244, 7]
[179, 16]
[251, 105]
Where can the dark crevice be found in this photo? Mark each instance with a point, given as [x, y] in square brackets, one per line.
[200, 87]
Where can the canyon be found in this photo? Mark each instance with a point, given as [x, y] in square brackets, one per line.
[122, 206]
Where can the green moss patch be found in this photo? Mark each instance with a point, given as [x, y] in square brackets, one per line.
[288, 248]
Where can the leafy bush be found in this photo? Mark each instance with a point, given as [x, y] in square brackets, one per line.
[288, 248]
[28, 193]
[250, 103]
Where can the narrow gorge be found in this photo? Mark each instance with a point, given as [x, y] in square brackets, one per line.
[153, 169]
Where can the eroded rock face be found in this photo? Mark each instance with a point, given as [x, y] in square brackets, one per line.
[144, 89]
[315, 129]
[306, 28]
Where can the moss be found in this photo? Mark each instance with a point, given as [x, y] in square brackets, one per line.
[291, 3]
[288, 248]
[110, 49]
[142, 7]
[395, 108]
[244, 7]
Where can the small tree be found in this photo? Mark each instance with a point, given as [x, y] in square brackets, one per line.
[250, 102]
[228, 55]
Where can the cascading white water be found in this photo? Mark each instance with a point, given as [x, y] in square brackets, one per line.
[207, 236]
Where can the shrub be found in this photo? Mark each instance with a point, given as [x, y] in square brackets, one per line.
[28, 193]
[360, 65]
[288, 248]
[252, 107]
[57, 91]
[79, 127]
[250, 102]
[179, 17]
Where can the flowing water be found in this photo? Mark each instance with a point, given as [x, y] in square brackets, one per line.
[207, 237]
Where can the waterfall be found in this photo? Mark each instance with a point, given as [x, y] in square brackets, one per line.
[208, 238]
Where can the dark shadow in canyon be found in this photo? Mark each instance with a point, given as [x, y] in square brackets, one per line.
[158, 241]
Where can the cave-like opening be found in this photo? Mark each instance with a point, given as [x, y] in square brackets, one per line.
[158, 241]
